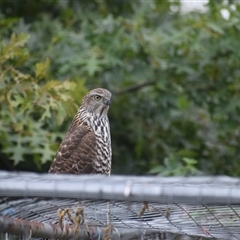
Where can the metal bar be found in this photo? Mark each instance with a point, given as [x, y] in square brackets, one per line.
[29, 229]
[198, 190]
[43, 230]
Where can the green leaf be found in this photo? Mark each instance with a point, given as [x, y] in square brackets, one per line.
[189, 161]
[215, 28]
[156, 170]
[46, 152]
[93, 64]
[183, 102]
[41, 69]
[17, 151]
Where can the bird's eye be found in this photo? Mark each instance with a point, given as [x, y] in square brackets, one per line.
[97, 97]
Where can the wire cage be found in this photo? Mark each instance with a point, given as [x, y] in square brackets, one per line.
[118, 207]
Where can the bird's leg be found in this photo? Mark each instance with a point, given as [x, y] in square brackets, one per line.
[69, 213]
[107, 232]
[143, 209]
[79, 219]
[61, 213]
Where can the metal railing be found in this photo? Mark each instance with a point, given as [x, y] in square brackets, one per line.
[119, 207]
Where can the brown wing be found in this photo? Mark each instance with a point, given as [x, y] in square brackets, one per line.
[76, 153]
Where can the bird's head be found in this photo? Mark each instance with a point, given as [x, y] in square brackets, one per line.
[97, 102]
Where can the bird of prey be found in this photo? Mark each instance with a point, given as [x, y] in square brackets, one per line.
[86, 147]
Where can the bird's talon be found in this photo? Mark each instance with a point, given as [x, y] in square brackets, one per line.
[107, 232]
[70, 215]
[60, 214]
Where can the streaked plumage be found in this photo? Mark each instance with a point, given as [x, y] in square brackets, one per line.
[86, 147]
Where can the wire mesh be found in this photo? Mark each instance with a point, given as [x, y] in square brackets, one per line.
[119, 207]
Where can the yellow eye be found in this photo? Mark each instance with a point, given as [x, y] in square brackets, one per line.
[97, 97]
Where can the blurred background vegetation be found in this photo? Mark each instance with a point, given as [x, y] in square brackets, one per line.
[175, 79]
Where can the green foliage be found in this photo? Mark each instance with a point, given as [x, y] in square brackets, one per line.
[184, 167]
[175, 80]
[32, 105]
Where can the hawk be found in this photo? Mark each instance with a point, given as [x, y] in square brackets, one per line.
[86, 147]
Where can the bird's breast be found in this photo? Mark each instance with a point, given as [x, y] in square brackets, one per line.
[103, 148]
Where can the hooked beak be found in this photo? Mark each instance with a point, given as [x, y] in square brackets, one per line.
[107, 102]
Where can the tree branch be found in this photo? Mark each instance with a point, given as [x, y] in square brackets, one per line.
[135, 87]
